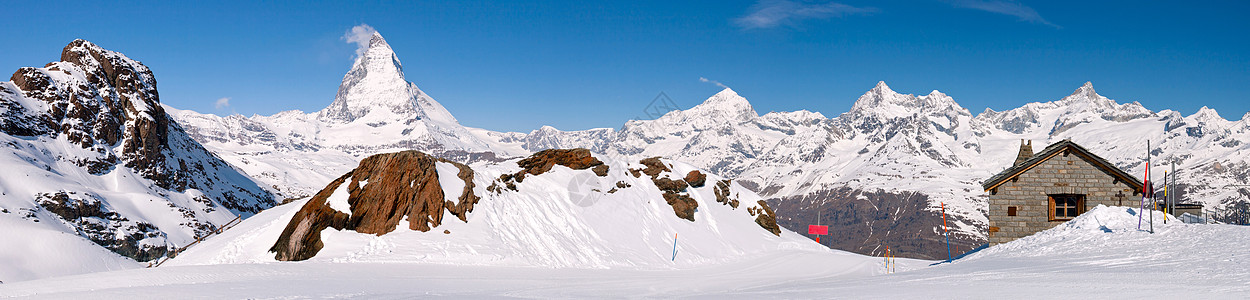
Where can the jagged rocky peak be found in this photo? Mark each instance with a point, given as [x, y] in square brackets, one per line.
[1085, 91]
[1084, 100]
[376, 87]
[885, 102]
[96, 98]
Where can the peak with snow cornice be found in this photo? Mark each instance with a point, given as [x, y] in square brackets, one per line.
[376, 87]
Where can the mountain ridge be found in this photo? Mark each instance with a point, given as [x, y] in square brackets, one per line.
[927, 151]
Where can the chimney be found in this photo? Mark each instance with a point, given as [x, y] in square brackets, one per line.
[1026, 151]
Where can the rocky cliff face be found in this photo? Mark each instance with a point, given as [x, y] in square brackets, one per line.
[93, 153]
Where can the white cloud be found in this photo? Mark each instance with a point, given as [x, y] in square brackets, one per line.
[773, 13]
[360, 35]
[717, 83]
[223, 103]
[1006, 7]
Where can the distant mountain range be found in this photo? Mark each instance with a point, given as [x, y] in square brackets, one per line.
[102, 168]
[880, 174]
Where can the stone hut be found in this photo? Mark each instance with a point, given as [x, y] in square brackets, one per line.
[1046, 189]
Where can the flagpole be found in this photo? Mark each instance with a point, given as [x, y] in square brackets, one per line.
[1145, 183]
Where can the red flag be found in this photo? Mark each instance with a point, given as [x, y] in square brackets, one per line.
[818, 229]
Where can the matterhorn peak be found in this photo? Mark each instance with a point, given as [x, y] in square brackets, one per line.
[376, 84]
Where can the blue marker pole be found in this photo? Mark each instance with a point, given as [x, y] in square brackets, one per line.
[674, 247]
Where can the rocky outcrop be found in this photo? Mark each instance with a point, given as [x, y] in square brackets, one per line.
[766, 217]
[95, 220]
[301, 239]
[722, 194]
[696, 178]
[674, 190]
[382, 191]
[653, 167]
[542, 161]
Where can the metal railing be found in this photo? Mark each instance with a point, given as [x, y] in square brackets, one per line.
[198, 239]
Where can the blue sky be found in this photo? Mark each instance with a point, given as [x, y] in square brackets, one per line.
[516, 66]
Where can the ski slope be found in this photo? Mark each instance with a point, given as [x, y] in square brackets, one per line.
[1098, 255]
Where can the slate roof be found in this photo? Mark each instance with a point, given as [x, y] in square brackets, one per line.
[1056, 149]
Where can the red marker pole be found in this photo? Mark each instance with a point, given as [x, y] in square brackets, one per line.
[948, 233]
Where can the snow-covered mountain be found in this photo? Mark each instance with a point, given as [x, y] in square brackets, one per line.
[98, 176]
[376, 110]
[882, 173]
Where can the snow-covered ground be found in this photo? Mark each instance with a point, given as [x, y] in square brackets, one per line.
[1098, 255]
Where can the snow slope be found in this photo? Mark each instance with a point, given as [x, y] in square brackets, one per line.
[563, 218]
[1100, 254]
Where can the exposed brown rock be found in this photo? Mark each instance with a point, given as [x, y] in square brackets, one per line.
[669, 185]
[601, 170]
[467, 199]
[654, 166]
[767, 218]
[301, 239]
[683, 205]
[401, 184]
[722, 194]
[674, 190]
[541, 162]
[696, 178]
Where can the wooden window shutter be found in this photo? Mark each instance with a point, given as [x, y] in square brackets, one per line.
[1051, 211]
